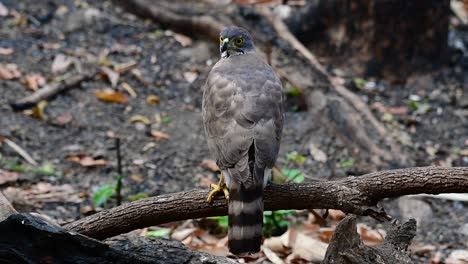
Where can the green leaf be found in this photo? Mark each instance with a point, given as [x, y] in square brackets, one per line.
[359, 82]
[294, 175]
[14, 166]
[103, 194]
[46, 169]
[294, 92]
[166, 120]
[161, 232]
[296, 157]
[222, 220]
[419, 107]
[138, 196]
[347, 163]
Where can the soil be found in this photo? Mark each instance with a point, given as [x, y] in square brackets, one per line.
[42, 30]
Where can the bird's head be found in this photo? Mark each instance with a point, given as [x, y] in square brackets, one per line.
[235, 41]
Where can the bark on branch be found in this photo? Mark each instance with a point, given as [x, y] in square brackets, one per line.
[357, 195]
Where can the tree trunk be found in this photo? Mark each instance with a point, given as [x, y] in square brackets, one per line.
[397, 35]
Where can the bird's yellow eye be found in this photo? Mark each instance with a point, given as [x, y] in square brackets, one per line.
[221, 39]
[239, 42]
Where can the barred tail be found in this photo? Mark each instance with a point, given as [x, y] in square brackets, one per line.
[245, 220]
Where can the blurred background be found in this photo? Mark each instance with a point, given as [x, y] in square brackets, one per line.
[369, 85]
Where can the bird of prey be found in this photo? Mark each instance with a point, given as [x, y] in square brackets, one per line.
[243, 120]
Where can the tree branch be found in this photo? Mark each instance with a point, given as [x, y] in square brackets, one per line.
[358, 195]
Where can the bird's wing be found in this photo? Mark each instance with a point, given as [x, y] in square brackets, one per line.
[243, 105]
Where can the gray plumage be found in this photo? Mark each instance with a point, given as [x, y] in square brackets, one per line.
[243, 119]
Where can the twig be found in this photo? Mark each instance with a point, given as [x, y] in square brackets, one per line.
[50, 91]
[357, 195]
[118, 187]
[21, 152]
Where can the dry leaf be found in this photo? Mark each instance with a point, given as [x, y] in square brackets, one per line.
[317, 154]
[326, 234]
[190, 77]
[183, 39]
[64, 119]
[111, 75]
[38, 111]
[129, 89]
[60, 63]
[422, 249]
[370, 237]
[137, 73]
[336, 215]
[136, 177]
[7, 176]
[109, 95]
[459, 256]
[182, 234]
[158, 135]
[3, 10]
[34, 81]
[141, 119]
[6, 51]
[210, 165]
[308, 248]
[275, 244]
[271, 256]
[152, 99]
[9, 72]
[153, 59]
[86, 161]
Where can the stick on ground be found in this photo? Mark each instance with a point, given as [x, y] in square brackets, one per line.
[50, 91]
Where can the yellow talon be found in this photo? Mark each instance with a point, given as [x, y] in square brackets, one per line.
[221, 186]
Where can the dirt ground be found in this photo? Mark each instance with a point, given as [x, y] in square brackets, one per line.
[173, 68]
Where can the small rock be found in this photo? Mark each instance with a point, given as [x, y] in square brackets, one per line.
[414, 208]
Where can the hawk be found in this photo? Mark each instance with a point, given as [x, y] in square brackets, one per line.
[243, 120]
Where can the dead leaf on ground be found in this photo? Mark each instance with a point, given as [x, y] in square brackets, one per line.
[63, 119]
[3, 10]
[158, 135]
[183, 39]
[308, 248]
[109, 95]
[60, 63]
[210, 165]
[34, 81]
[459, 256]
[137, 73]
[141, 119]
[370, 237]
[317, 154]
[111, 75]
[38, 111]
[6, 51]
[86, 161]
[190, 77]
[336, 215]
[9, 72]
[125, 86]
[153, 99]
[7, 176]
[46, 192]
[421, 249]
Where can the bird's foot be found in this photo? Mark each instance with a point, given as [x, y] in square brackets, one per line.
[221, 186]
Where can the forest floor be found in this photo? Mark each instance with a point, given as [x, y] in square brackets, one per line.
[155, 110]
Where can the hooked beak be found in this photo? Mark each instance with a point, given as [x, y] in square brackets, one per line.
[224, 45]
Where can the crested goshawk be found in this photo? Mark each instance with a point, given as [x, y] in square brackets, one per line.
[243, 119]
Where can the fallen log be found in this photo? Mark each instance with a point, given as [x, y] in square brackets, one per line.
[357, 195]
[28, 238]
[329, 103]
